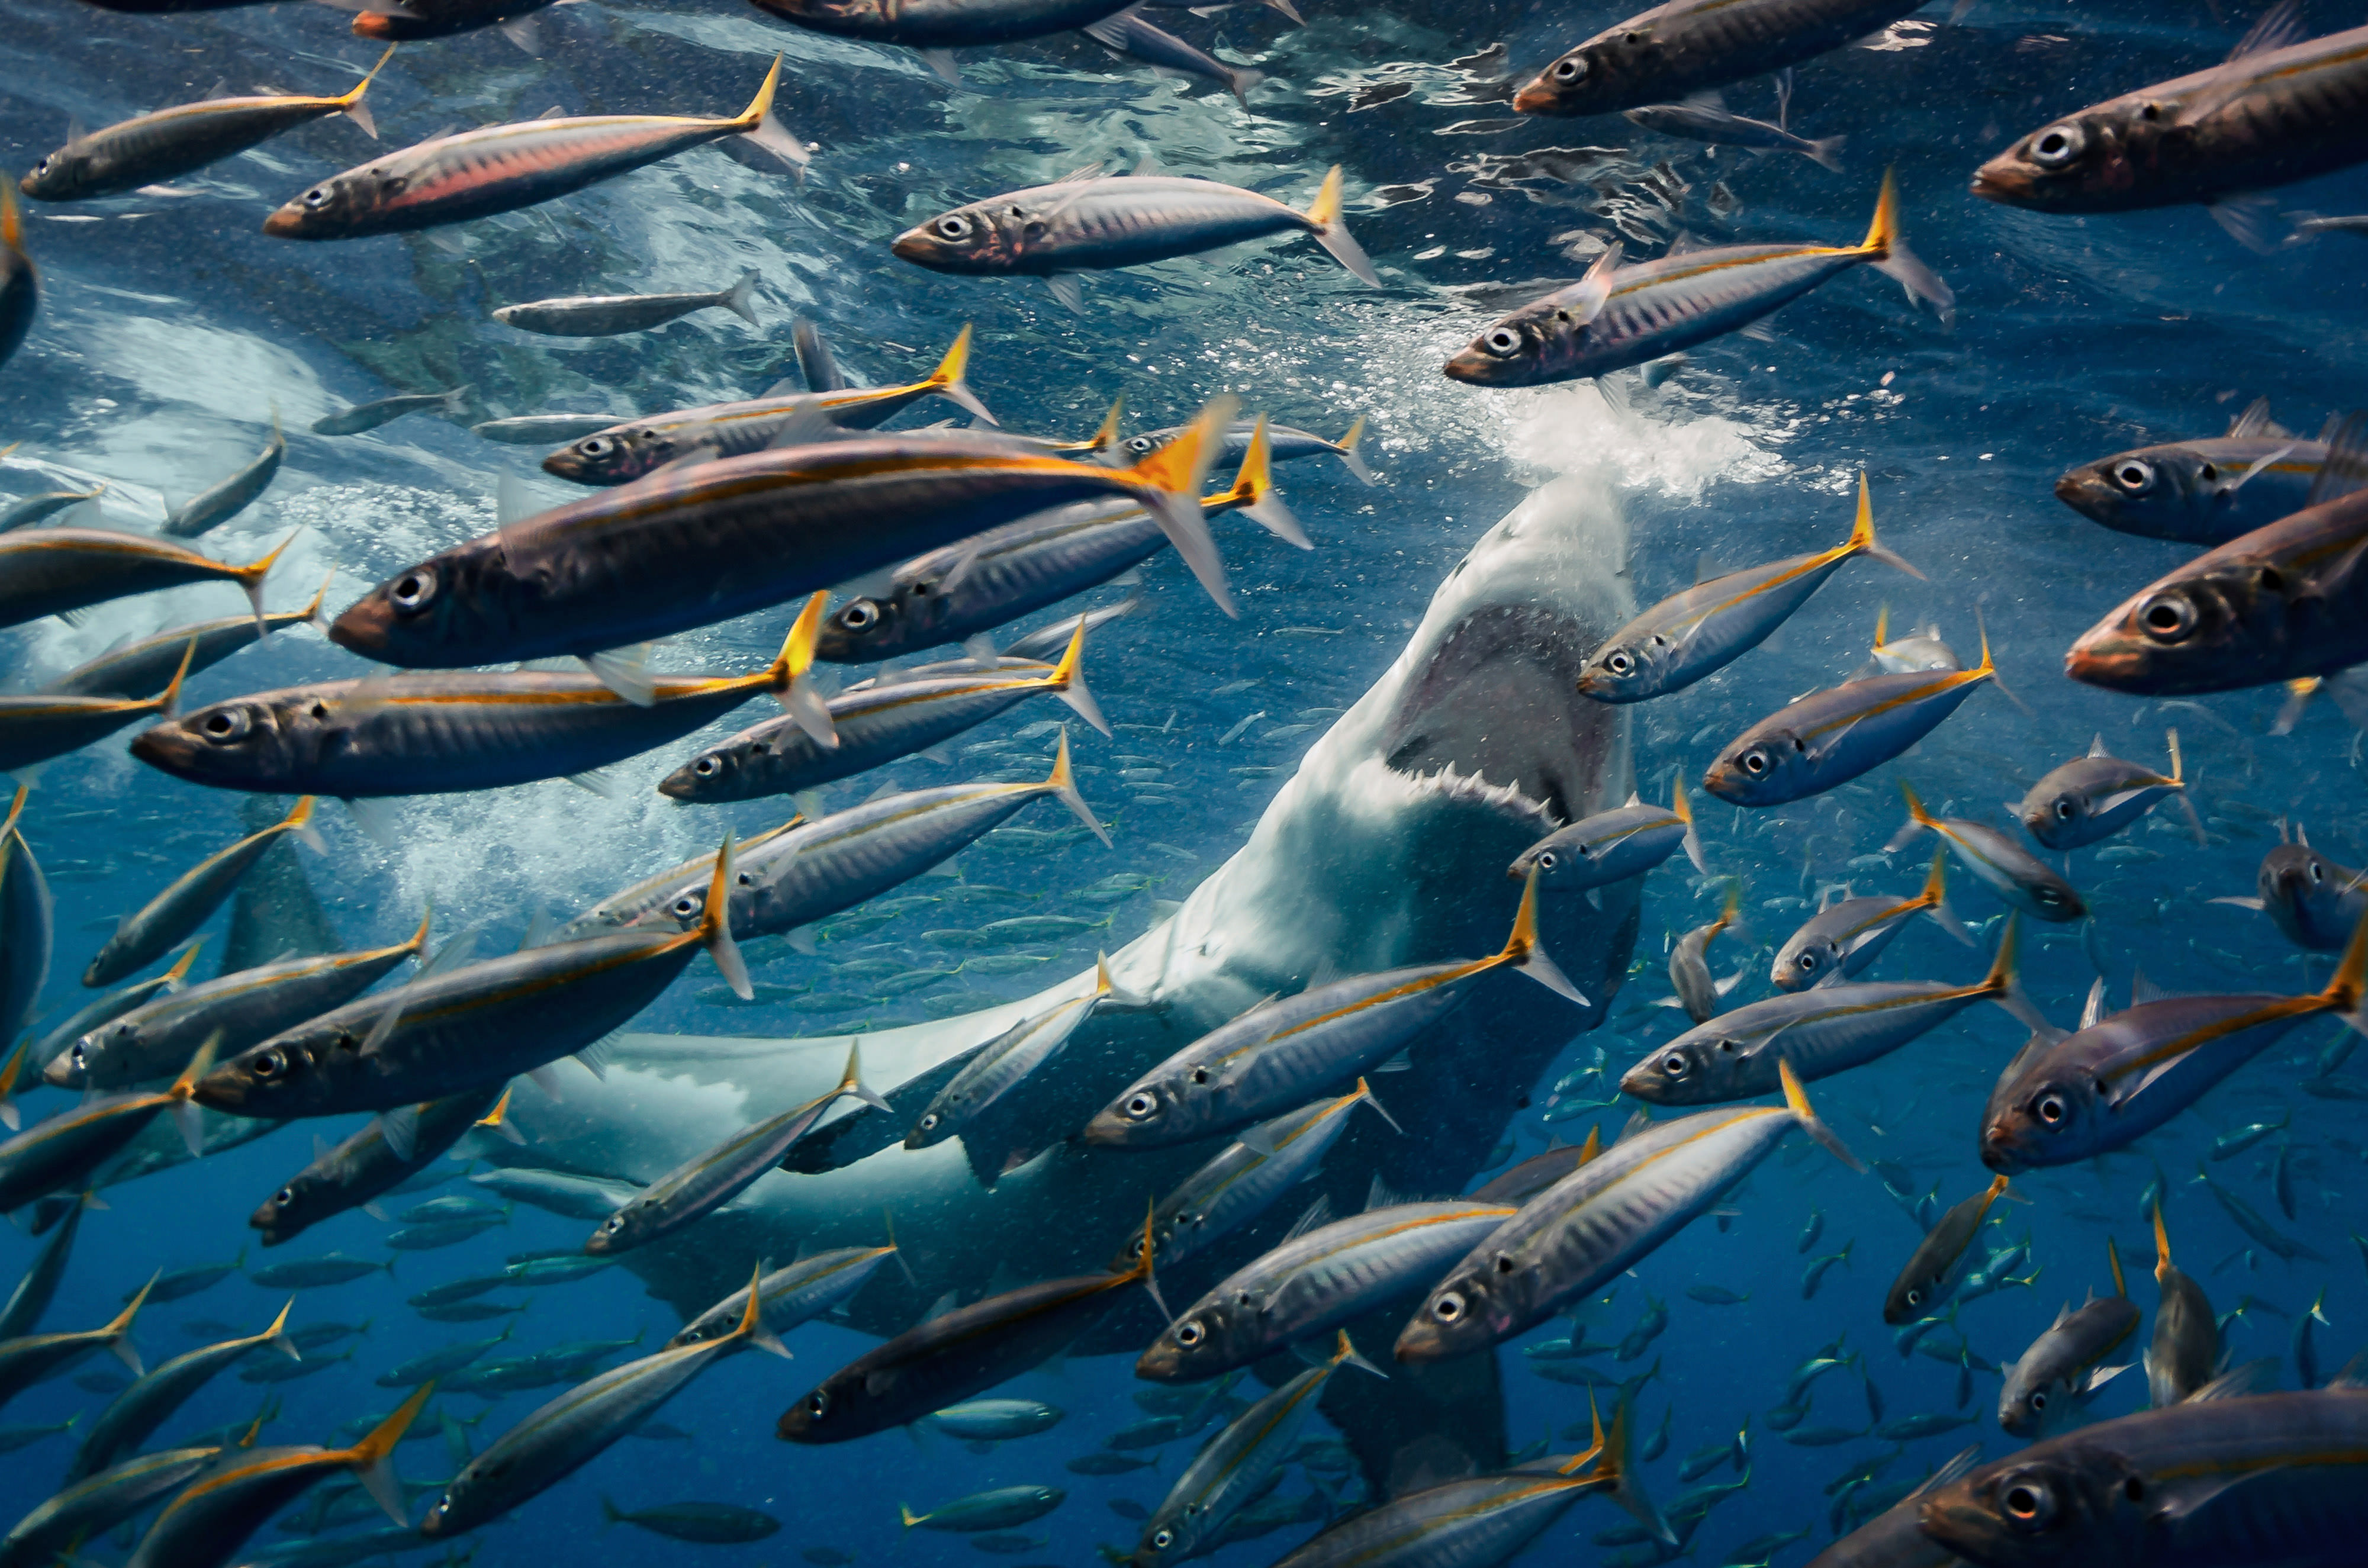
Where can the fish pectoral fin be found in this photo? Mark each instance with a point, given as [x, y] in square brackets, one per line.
[624, 671]
[601, 781]
[942, 61]
[2250, 218]
[400, 1128]
[1065, 289]
[546, 1078]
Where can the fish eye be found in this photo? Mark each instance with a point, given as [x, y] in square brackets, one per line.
[409, 593]
[1163, 1539]
[1448, 1308]
[1570, 68]
[1674, 1064]
[953, 226]
[1808, 962]
[223, 724]
[1502, 341]
[2051, 1110]
[1546, 861]
[2133, 475]
[929, 1124]
[81, 1058]
[2209, 473]
[1190, 1333]
[317, 197]
[2048, 897]
[1140, 446]
[2058, 145]
[688, 905]
[2065, 810]
[2166, 616]
[267, 1065]
[818, 1404]
[2039, 1398]
[1141, 1104]
[708, 767]
[860, 616]
[616, 1222]
[1755, 763]
[284, 1197]
[596, 446]
[2027, 1500]
[2318, 874]
[1621, 663]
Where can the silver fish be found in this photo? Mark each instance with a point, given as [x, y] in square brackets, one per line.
[1686, 46]
[154, 929]
[37, 728]
[1892, 1538]
[60, 1153]
[1997, 861]
[90, 1508]
[1941, 1261]
[1003, 1063]
[629, 906]
[2096, 796]
[1840, 941]
[219, 503]
[37, 1356]
[1690, 980]
[2186, 1346]
[1284, 445]
[52, 570]
[364, 417]
[28, 937]
[107, 1009]
[1919, 650]
[1829, 737]
[1127, 33]
[1612, 846]
[788, 1297]
[32, 509]
[386, 1151]
[2064, 1369]
[138, 1410]
[149, 663]
[1708, 122]
[2205, 491]
[541, 429]
[610, 316]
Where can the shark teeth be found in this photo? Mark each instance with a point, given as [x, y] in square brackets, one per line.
[1457, 787]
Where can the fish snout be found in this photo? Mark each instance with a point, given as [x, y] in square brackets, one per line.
[2087, 494]
[286, 223]
[169, 747]
[915, 245]
[2005, 179]
[1106, 1130]
[367, 626]
[65, 1070]
[1536, 97]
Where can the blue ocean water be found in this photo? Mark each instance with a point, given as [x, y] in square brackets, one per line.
[172, 333]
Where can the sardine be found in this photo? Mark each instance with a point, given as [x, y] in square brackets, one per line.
[219, 503]
[503, 167]
[149, 663]
[38, 727]
[153, 148]
[2186, 1347]
[105, 1010]
[364, 417]
[1003, 1063]
[1842, 941]
[788, 1297]
[2062, 1370]
[1829, 737]
[1696, 989]
[2096, 796]
[610, 316]
[2000, 864]
[1701, 121]
[1612, 846]
[629, 906]
[2205, 491]
[157, 927]
[52, 570]
[127, 1422]
[1934, 1271]
[996, 1420]
[1686, 46]
[387, 1151]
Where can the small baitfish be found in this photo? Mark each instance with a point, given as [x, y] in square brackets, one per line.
[611, 315]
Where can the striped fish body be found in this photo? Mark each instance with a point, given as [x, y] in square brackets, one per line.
[54, 1154]
[1826, 1030]
[707, 1181]
[478, 173]
[1316, 1282]
[476, 1024]
[1656, 308]
[1001, 1066]
[2245, 1479]
[1241, 1182]
[2265, 119]
[92, 1508]
[161, 146]
[1476, 1522]
[1671, 51]
[941, 24]
[1016, 570]
[157, 1038]
[1845, 937]
[1609, 846]
[213, 1516]
[138, 1410]
[50, 571]
[621, 452]
[1090, 224]
[36, 727]
[688, 549]
[1582, 1231]
[430, 733]
[875, 726]
[2316, 902]
[1233, 1469]
[788, 1297]
[2205, 492]
[219, 504]
[365, 1164]
[629, 906]
[1830, 737]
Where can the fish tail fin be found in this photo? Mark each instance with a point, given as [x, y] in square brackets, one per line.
[1525, 952]
[1063, 782]
[1796, 1099]
[1888, 254]
[1685, 813]
[2343, 993]
[1729, 910]
[118, 1329]
[311, 615]
[2003, 984]
[2162, 1265]
[1172, 476]
[1613, 1467]
[1253, 491]
[299, 822]
[1324, 215]
[1067, 681]
[948, 380]
[251, 576]
[373, 1459]
[182, 1097]
[790, 675]
[1345, 1353]
[179, 975]
[2114, 1257]
[1106, 435]
[751, 1329]
[276, 1334]
[1918, 819]
[1350, 457]
[757, 124]
[1882, 621]
[851, 1082]
[1883, 231]
[1143, 1270]
[169, 701]
[1935, 886]
[1826, 151]
[741, 298]
[1862, 542]
[905, 1511]
[10, 1117]
[715, 925]
[350, 104]
[1364, 1095]
[609, 1512]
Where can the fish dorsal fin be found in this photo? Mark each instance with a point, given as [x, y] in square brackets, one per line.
[220, 89]
[2253, 1376]
[1638, 1120]
[1379, 1195]
[1963, 1461]
[2094, 1013]
[1318, 1213]
[2354, 1374]
[1079, 176]
[2143, 990]
[2097, 747]
[942, 1306]
[553, 112]
[2281, 25]
[2345, 467]
[2254, 421]
[1633, 799]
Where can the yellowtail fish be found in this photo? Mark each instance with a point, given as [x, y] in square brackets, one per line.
[152, 148]
[1612, 846]
[1691, 982]
[608, 315]
[2314, 901]
[1285, 444]
[1840, 941]
[1829, 737]
[20, 280]
[2062, 1370]
[477, 1023]
[433, 732]
[206, 1525]
[386, 1151]
[2232, 1477]
[138, 1411]
[1617, 316]
[1003, 1063]
[105, 1010]
[2068, 1098]
[2186, 1347]
[628, 905]
[503, 167]
[1919, 650]
[1892, 1538]
[2279, 110]
[365, 416]
[2204, 491]
[52, 570]
[1004, 1508]
[619, 451]
[36, 1357]
[1997, 861]
[152, 931]
[788, 1297]
[2096, 796]
[30, 509]
[57, 1154]
[1281, 1051]
[37, 728]
[718, 539]
[1088, 221]
[90, 1508]
[1662, 56]
[1580, 1234]
[220, 502]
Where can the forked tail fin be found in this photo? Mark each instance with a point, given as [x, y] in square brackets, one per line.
[1525, 952]
[1324, 215]
[948, 380]
[1171, 480]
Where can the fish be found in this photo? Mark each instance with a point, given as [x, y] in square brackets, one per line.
[37, 728]
[611, 315]
[1540, 1172]
[240, 1008]
[158, 147]
[1811, 1229]
[2067, 1097]
[1000, 1509]
[1831, 736]
[1892, 1537]
[1704, 121]
[20, 280]
[1697, 990]
[1285, 444]
[209, 1520]
[2216, 136]
[1246, 1178]
[945, 1359]
[226, 499]
[1662, 55]
[1612, 845]
[707, 1524]
[1089, 221]
[441, 1233]
[624, 450]
[1269, 1058]
[365, 417]
[1815, 1033]
[541, 429]
[1693, 635]
[414, 21]
[2201, 492]
[1126, 32]
[2185, 1350]
[2019, 877]
[692, 1192]
[37, 1356]
[1580, 1234]
[2096, 796]
[60, 1153]
[1918, 650]
[939, 25]
[440, 732]
[439, 1363]
[28, 937]
[34, 509]
[148, 663]
[1003, 1065]
[475, 1024]
[575, 1196]
[629, 906]
[94, 1506]
[2064, 1369]
[2315, 902]
[2229, 1145]
[1939, 1265]
[21, 1312]
[2253, 1225]
[576, 1427]
[1815, 1275]
[174, 914]
[475, 174]
[872, 727]
[721, 539]
[1619, 316]
[54, 571]
[1842, 941]
[1107, 1464]
[125, 1425]
[314, 1273]
[996, 1420]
